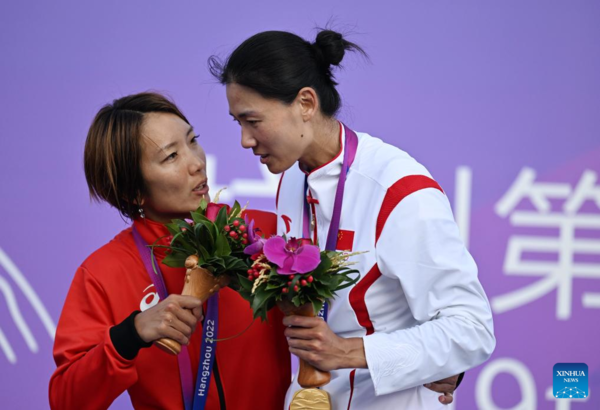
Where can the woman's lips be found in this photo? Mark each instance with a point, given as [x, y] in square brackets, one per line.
[201, 189]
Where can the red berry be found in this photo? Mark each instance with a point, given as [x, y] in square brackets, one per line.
[296, 288]
[245, 235]
[250, 271]
[290, 283]
[250, 277]
[284, 290]
[303, 282]
[227, 228]
[291, 277]
[243, 228]
[236, 223]
[310, 279]
[256, 274]
[232, 234]
[244, 241]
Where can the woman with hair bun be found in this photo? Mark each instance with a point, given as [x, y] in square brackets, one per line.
[418, 313]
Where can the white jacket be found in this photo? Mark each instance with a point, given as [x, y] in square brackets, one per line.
[418, 306]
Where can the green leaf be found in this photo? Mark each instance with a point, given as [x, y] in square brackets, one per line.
[182, 224]
[245, 282]
[175, 260]
[271, 285]
[217, 263]
[350, 281]
[221, 219]
[173, 228]
[204, 237]
[200, 218]
[317, 305]
[323, 292]
[197, 217]
[327, 280]
[204, 255]
[233, 264]
[261, 297]
[177, 236]
[296, 300]
[222, 246]
[172, 248]
[181, 241]
[203, 205]
[235, 210]
[325, 261]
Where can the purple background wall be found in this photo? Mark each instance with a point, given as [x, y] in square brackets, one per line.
[493, 86]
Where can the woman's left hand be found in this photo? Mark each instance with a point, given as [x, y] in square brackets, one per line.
[446, 387]
[311, 339]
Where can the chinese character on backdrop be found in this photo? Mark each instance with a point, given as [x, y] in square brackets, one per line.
[565, 222]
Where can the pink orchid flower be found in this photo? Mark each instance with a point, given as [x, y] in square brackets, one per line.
[295, 256]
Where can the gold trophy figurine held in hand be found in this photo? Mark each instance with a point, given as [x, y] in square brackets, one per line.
[199, 283]
[310, 397]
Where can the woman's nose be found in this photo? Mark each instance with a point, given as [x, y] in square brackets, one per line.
[198, 164]
[247, 140]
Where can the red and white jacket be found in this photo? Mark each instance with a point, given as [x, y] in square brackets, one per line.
[418, 306]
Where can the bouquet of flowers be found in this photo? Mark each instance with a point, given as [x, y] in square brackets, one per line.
[210, 246]
[216, 235]
[292, 271]
[221, 248]
[299, 278]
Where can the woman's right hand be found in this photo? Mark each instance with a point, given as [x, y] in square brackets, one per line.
[175, 318]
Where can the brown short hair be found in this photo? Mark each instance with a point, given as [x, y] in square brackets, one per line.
[113, 150]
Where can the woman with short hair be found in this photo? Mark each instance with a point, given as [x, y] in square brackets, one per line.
[143, 158]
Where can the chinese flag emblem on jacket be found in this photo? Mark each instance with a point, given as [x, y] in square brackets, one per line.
[345, 240]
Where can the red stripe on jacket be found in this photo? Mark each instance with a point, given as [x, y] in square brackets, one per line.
[396, 193]
[352, 373]
[278, 189]
[357, 298]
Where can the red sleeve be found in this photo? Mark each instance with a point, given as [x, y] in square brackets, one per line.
[90, 373]
[266, 221]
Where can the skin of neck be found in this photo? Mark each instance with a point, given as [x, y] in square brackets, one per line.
[325, 144]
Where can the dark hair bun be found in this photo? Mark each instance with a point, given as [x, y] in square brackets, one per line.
[331, 46]
[277, 64]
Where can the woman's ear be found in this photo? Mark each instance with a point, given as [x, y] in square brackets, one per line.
[309, 103]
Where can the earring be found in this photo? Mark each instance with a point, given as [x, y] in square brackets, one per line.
[141, 211]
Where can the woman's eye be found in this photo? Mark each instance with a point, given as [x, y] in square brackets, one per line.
[171, 157]
[253, 122]
[194, 140]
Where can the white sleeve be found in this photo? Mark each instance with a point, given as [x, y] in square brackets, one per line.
[420, 246]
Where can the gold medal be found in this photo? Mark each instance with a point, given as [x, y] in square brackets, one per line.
[311, 399]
